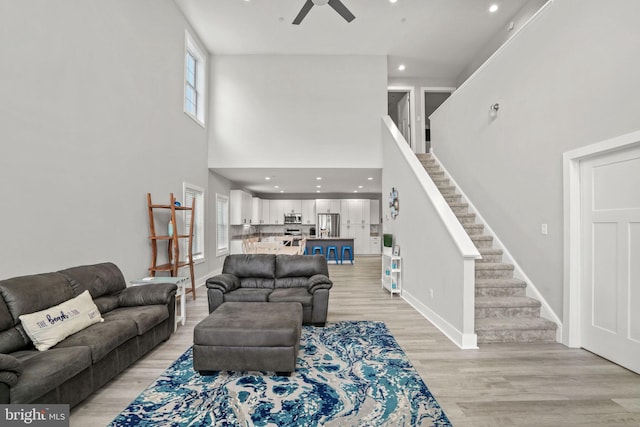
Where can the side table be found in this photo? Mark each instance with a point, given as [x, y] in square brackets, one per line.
[181, 283]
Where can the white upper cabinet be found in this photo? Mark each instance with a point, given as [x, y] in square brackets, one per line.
[241, 207]
[374, 209]
[327, 205]
[256, 213]
[266, 214]
[308, 211]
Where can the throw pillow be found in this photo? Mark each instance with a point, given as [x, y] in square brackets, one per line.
[48, 327]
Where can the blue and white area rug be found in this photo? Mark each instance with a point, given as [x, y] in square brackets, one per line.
[348, 374]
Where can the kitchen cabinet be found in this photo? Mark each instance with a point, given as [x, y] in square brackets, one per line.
[256, 212]
[374, 209]
[266, 214]
[327, 205]
[355, 211]
[241, 207]
[374, 245]
[291, 206]
[308, 211]
[276, 214]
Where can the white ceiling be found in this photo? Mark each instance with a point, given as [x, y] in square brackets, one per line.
[434, 39]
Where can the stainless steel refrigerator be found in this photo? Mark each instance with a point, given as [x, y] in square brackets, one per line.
[328, 225]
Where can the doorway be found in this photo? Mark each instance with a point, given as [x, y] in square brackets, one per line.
[603, 230]
[431, 99]
[401, 108]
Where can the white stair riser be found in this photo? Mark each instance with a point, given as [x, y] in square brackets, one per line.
[502, 336]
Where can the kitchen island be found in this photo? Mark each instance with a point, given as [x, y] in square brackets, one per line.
[338, 242]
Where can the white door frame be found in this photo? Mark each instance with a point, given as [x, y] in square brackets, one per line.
[572, 227]
[412, 106]
[423, 91]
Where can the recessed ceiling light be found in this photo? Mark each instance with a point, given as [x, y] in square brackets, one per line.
[317, 191]
[355, 191]
[393, 1]
[401, 67]
[360, 186]
[493, 8]
[282, 191]
[267, 178]
[318, 186]
[318, 178]
[276, 186]
[370, 178]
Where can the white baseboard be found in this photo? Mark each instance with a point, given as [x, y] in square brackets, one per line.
[462, 340]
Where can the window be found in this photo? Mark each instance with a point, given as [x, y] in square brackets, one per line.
[193, 193]
[222, 224]
[194, 78]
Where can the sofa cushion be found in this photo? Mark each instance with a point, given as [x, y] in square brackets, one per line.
[44, 371]
[248, 295]
[98, 279]
[27, 294]
[102, 338]
[301, 265]
[253, 266]
[106, 303]
[146, 317]
[292, 295]
[48, 327]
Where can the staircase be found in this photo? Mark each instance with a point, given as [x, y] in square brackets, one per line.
[503, 313]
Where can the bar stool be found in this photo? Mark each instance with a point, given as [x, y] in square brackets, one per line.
[344, 249]
[316, 250]
[335, 253]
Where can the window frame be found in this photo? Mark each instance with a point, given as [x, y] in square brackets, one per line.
[193, 49]
[222, 247]
[199, 236]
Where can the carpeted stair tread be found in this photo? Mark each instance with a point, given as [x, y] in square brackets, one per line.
[490, 251]
[502, 302]
[500, 283]
[494, 266]
[520, 323]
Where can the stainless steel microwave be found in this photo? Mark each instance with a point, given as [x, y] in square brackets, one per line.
[293, 218]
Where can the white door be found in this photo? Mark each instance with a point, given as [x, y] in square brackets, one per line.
[610, 257]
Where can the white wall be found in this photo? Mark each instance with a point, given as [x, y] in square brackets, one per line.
[567, 80]
[308, 111]
[90, 121]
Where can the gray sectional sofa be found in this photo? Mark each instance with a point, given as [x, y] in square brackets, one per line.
[136, 319]
[274, 278]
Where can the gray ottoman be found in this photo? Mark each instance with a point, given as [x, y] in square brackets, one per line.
[248, 336]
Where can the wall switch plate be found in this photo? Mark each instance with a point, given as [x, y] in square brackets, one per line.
[544, 229]
[431, 292]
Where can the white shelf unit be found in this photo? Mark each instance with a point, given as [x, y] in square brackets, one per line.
[391, 272]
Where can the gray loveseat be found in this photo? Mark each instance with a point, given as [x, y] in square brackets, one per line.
[136, 319]
[274, 278]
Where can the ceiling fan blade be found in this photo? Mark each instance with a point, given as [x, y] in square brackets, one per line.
[339, 7]
[303, 12]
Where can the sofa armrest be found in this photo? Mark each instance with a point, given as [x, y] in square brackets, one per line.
[225, 282]
[10, 369]
[151, 294]
[318, 281]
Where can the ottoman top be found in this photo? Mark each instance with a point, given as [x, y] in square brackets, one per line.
[251, 324]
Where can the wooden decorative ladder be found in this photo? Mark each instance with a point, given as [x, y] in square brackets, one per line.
[173, 240]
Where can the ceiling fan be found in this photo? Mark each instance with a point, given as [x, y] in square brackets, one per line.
[337, 5]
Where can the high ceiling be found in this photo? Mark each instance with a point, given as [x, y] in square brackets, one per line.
[434, 39]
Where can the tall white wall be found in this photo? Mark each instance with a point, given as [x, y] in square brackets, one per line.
[90, 121]
[307, 111]
[569, 79]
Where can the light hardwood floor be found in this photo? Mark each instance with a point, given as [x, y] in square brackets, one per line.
[497, 385]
